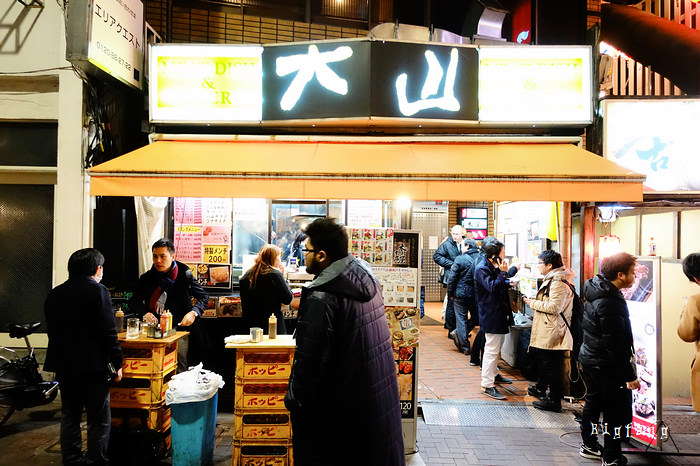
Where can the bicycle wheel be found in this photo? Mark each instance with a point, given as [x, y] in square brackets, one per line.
[5, 413]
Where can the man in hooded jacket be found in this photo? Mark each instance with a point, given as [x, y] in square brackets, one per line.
[460, 289]
[343, 393]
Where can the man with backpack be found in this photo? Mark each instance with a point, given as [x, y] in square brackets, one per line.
[550, 338]
[460, 289]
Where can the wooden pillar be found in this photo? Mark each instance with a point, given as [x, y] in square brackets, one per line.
[588, 241]
[565, 233]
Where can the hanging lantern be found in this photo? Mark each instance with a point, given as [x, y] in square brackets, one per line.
[608, 245]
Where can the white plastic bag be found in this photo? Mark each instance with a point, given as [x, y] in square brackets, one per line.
[196, 384]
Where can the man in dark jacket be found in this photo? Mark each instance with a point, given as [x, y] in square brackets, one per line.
[343, 393]
[445, 256]
[82, 341]
[169, 287]
[460, 289]
[495, 314]
[606, 357]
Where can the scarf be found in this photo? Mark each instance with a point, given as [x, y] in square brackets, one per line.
[165, 282]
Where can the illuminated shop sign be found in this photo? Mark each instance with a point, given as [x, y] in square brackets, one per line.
[424, 81]
[657, 138]
[535, 84]
[116, 39]
[203, 83]
[316, 80]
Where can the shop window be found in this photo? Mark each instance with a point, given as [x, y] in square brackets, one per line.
[289, 219]
[28, 144]
[26, 252]
[249, 230]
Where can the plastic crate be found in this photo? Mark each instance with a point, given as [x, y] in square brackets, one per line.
[271, 453]
[157, 418]
[263, 425]
[140, 392]
[264, 365]
[260, 395]
[146, 361]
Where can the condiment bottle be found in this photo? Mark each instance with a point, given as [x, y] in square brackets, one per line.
[119, 320]
[652, 247]
[170, 321]
[164, 323]
[272, 327]
[158, 333]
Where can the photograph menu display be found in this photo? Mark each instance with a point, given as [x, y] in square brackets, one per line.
[374, 245]
[202, 238]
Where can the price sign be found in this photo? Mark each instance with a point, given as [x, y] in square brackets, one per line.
[216, 254]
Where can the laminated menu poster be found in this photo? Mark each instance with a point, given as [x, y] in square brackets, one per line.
[403, 325]
[399, 285]
[374, 245]
[188, 243]
[643, 302]
[188, 210]
[406, 251]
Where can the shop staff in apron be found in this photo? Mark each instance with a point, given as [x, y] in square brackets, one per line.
[343, 393]
[169, 287]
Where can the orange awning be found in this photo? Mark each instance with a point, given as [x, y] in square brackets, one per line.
[366, 170]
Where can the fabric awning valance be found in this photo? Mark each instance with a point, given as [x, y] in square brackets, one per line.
[366, 170]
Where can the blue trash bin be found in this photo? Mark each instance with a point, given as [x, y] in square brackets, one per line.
[193, 431]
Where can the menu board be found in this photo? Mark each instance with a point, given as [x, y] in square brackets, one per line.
[643, 301]
[398, 285]
[374, 245]
[403, 325]
[203, 238]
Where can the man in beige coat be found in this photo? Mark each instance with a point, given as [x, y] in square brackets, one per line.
[689, 326]
[550, 336]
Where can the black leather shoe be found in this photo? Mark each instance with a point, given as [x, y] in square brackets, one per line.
[532, 390]
[547, 405]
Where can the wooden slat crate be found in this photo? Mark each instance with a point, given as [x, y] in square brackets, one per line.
[264, 365]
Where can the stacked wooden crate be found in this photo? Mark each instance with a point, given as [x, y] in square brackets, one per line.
[138, 400]
[262, 427]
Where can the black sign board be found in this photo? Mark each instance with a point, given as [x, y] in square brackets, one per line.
[316, 80]
[424, 81]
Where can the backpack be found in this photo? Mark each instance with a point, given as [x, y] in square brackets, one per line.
[575, 326]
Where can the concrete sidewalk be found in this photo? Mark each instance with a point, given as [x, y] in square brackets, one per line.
[31, 437]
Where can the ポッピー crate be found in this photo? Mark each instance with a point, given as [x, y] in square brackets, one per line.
[140, 392]
[142, 361]
[260, 395]
[264, 425]
[267, 453]
[157, 418]
[264, 365]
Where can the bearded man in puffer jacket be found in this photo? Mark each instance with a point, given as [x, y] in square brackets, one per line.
[343, 392]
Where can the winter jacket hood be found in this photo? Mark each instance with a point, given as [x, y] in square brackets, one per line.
[349, 278]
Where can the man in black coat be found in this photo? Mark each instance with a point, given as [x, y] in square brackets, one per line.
[343, 393]
[168, 286]
[460, 290]
[445, 256]
[606, 354]
[82, 341]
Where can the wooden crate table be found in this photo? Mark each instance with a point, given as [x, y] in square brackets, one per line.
[138, 400]
[262, 432]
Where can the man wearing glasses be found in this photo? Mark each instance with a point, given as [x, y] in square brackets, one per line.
[344, 361]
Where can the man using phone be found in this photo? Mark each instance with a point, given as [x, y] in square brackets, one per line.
[495, 314]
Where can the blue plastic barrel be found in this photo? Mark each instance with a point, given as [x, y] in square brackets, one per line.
[193, 431]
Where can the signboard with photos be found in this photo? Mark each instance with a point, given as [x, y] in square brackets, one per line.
[203, 239]
[396, 265]
[644, 303]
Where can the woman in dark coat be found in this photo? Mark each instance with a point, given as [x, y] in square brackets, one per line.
[264, 290]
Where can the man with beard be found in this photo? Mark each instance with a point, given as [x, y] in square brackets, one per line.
[343, 393]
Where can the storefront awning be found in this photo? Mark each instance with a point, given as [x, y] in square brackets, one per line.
[366, 170]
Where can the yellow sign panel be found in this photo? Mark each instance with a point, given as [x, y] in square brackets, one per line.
[216, 254]
[206, 84]
[538, 85]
